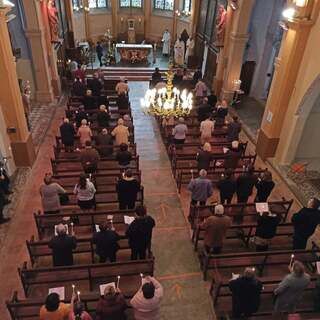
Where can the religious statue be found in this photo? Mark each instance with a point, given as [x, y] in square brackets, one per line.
[221, 20]
[53, 20]
[179, 52]
[166, 39]
[190, 49]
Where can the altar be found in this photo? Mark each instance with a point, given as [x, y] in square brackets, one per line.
[134, 53]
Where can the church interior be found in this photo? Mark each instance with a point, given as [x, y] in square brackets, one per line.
[157, 159]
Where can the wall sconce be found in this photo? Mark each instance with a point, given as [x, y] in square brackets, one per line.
[86, 9]
[236, 84]
[6, 4]
[186, 13]
[234, 5]
[301, 3]
[178, 13]
[140, 20]
[121, 19]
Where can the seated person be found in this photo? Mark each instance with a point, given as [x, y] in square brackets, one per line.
[123, 156]
[62, 246]
[103, 117]
[89, 158]
[106, 241]
[89, 101]
[104, 142]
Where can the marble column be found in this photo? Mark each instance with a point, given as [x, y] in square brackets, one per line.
[286, 70]
[175, 21]
[237, 42]
[36, 35]
[69, 14]
[86, 18]
[114, 10]
[194, 17]
[11, 101]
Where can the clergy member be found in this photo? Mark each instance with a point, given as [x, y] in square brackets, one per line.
[166, 39]
[190, 49]
[179, 52]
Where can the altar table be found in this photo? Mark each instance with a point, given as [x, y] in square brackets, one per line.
[134, 52]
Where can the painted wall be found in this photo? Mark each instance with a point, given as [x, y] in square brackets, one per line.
[304, 97]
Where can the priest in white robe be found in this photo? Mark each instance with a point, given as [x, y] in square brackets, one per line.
[166, 39]
[190, 49]
[179, 52]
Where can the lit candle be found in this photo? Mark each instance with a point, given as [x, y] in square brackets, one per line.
[118, 281]
[191, 173]
[71, 227]
[112, 227]
[291, 260]
[78, 295]
[73, 287]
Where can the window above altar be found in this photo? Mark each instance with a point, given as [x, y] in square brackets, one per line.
[98, 4]
[130, 4]
[167, 5]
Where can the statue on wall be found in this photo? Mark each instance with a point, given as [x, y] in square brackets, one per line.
[221, 20]
[53, 20]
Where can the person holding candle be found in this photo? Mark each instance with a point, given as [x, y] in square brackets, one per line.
[78, 313]
[85, 192]
[106, 241]
[146, 302]
[112, 305]
[62, 246]
[289, 291]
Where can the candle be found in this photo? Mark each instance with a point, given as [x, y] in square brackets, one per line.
[71, 227]
[191, 173]
[73, 287]
[291, 260]
[118, 281]
[78, 294]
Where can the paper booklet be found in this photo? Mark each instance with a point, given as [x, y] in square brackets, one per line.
[225, 150]
[59, 290]
[97, 228]
[128, 220]
[235, 276]
[103, 287]
[262, 207]
[56, 226]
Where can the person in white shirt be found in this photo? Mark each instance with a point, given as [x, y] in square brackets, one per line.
[85, 192]
[206, 130]
[190, 49]
[179, 132]
[122, 87]
[166, 39]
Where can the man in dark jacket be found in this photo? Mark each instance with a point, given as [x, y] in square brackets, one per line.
[80, 115]
[156, 76]
[103, 117]
[95, 85]
[123, 102]
[246, 291]
[89, 101]
[233, 156]
[62, 247]
[264, 186]
[127, 189]
[123, 156]
[106, 241]
[234, 128]
[67, 133]
[140, 234]
[204, 110]
[227, 187]
[89, 158]
[99, 50]
[305, 222]
[104, 142]
[245, 184]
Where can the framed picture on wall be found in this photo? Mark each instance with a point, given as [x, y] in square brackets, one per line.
[220, 20]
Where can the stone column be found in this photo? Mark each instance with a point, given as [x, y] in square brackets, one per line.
[147, 16]
[287, 65]
[223, 55]
[86, 18]
[194, 17]
[36, 35]
[114, 11]
[237, 42]
[11, 101]
[69, 14]
[175, 21]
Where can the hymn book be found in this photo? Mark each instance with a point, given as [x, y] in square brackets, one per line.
[59, 290]
[103, 287]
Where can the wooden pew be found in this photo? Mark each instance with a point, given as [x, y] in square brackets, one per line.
[244, 232]
[45, 223]
[260, 260]
[88, 276]
[236, 210]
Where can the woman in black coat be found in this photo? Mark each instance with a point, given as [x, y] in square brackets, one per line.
[67, 133]
[204, 157]
[227, 187]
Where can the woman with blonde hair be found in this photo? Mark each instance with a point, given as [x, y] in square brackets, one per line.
[204, 157]
[206, 130]
[121, 133]
[84, 132]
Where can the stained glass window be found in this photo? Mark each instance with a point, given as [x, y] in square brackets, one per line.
[187, 5]
[98, 3]
[77, 5]
[163, 4]
[130, 3]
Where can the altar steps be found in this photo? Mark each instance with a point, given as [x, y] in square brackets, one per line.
[132, 74]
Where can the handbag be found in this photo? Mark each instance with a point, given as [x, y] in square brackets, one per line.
[64, 198]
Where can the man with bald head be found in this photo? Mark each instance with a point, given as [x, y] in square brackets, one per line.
[200, 188]
[62, 246]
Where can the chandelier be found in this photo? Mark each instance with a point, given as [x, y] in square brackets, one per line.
[167, 101]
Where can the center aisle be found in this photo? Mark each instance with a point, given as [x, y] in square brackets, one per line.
[176, 264]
